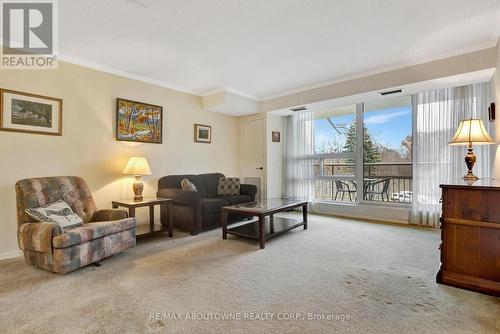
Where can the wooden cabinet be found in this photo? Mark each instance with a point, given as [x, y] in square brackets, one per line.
[470, 237]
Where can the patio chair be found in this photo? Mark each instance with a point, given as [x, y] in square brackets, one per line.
[380, 187]
[343, 187]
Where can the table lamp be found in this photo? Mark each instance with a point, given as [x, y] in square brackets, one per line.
[471, 131]
[137, 166]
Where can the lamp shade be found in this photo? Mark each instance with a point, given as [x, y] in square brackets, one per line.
[137, 166]
[471, 131]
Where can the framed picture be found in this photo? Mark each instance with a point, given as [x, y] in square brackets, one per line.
[276, 136]
[30, 113]
[138, 122]
[491, 112]
[202, 133]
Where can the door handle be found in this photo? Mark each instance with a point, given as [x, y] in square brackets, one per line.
[261, 168]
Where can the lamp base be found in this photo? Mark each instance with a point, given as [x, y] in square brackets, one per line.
[470, 177]
[138, 187]
[470, 160]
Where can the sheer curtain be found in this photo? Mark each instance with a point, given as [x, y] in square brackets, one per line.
[436, 117]
[298, 166]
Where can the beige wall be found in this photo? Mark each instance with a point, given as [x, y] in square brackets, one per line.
[88, 147]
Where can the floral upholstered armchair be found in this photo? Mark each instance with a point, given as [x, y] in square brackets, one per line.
[102, 234]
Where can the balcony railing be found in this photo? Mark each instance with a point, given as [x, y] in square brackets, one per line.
[382, 182]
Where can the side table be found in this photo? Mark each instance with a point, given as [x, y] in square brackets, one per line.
[142, 231]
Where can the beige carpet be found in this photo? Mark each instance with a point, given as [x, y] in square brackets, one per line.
[380, 278]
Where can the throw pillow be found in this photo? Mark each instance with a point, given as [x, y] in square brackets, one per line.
[188, 185]
[228, 186]
[59, 213]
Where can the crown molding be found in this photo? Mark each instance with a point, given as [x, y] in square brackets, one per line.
[75, 60]
[231, 90]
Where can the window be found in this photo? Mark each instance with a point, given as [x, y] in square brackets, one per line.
[387, 150]
[384, 164]
[335, 151]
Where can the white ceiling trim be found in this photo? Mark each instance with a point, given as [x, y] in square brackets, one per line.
[231, 90]
[111, 70]
[374, 72]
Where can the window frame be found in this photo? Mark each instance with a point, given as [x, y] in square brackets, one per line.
[358, 155]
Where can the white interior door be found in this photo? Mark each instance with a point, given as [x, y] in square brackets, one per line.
[252, 151]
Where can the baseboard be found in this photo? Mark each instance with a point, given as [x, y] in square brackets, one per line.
[10, 255]
[392, 214]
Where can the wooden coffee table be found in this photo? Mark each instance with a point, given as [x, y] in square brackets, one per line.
[258, 229]
[142, 231]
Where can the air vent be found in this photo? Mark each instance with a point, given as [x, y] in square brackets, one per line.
[302, 108]
[390, 92]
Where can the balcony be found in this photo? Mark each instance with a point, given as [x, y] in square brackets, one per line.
[382, 182]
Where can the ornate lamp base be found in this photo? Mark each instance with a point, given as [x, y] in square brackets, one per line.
[470, 177]
[470, 160]
[138, 187]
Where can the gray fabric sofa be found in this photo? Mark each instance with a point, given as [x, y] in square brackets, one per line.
[200, 211]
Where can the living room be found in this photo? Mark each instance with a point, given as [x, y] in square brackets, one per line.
[291, 166]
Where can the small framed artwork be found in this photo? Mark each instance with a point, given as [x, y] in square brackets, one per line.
[202, 133]
[491, 112]
[138, 122]
[30, 113]
[276, 136]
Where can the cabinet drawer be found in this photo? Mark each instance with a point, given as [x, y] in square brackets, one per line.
[472, 204]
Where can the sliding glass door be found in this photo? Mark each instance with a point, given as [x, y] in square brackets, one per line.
[335, 141]
[387, 150]
[363, 152]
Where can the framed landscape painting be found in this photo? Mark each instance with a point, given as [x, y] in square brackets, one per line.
[30, 113]
[138, 122]
[202, 133]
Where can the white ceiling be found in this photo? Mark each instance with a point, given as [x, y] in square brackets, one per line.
[264, 47]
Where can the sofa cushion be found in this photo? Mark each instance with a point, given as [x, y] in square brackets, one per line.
[238, 199]
[212, 205]
[91, 231]
[174, 181]
[211, 182]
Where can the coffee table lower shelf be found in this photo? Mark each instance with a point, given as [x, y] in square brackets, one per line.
[273, 227]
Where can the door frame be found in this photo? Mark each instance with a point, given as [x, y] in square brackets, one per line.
[252, 118]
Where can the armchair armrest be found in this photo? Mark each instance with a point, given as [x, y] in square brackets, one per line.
[37, 237]
[179, 196]
[248, 189]
[107, 215]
